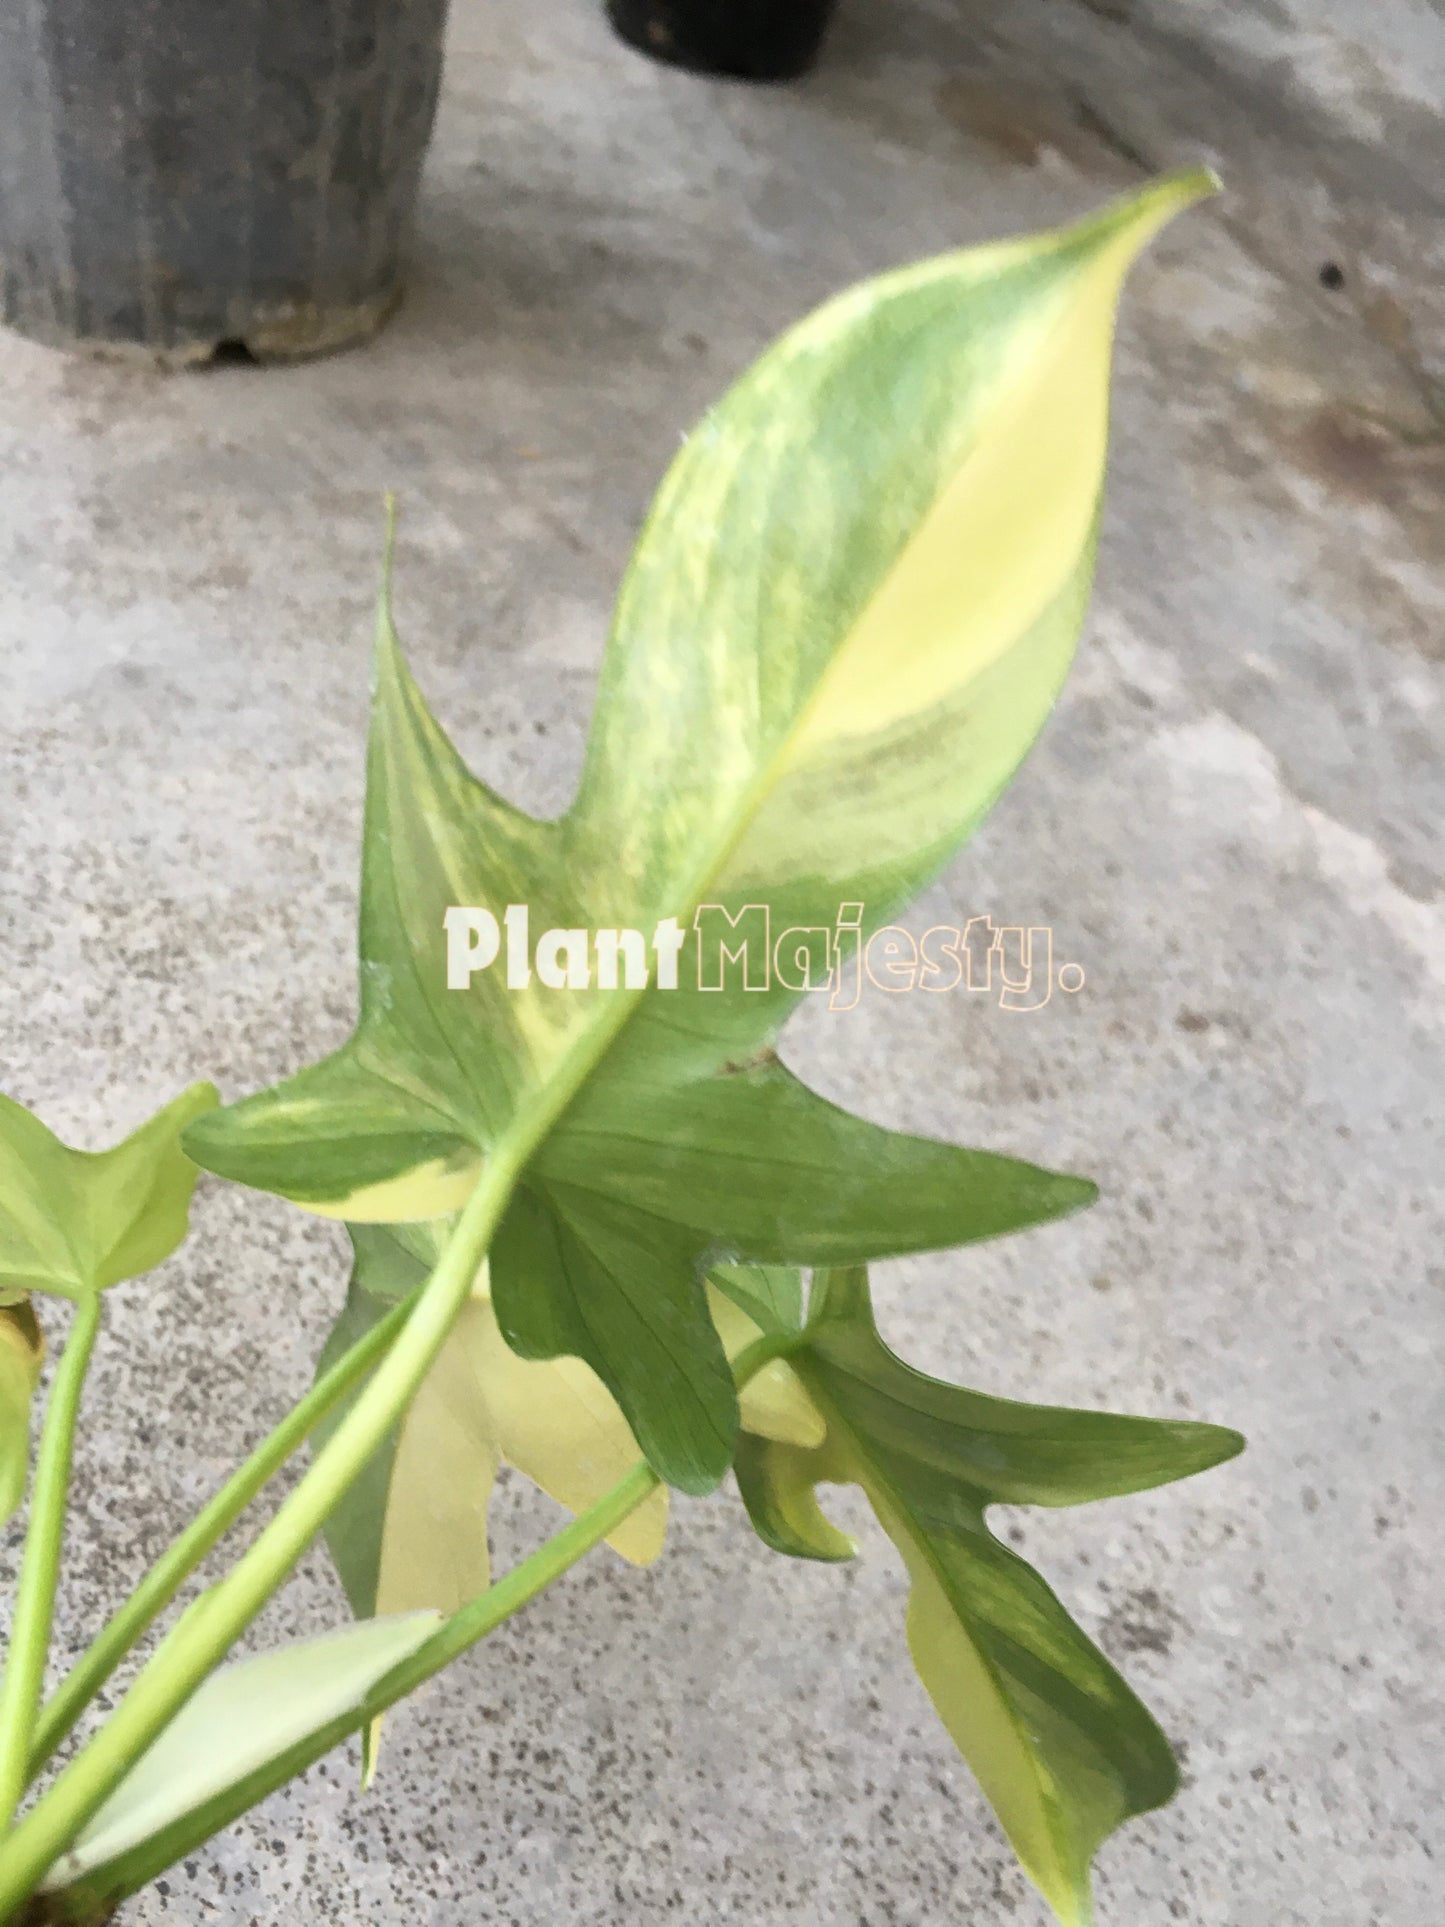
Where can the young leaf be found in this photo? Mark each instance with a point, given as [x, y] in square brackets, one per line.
[74, 1222]
[244, 1715]
[779, 1487]
[845, 622]
[22, 1353]
[1062, 1748]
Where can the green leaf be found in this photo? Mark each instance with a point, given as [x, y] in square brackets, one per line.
[74, 1222]
[1060, 1745]
[22, 1353]
[845, 622]
[755, 1161]
[244, 1715]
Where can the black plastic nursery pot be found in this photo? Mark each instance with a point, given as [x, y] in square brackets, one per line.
[744, 39]
[182, 176]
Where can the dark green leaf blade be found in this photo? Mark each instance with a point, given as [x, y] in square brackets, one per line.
[765, 1167]
[1014, 1453]
[354, 1531]
[574, 1273]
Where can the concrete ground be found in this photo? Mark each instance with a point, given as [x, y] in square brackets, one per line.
[1231, 824]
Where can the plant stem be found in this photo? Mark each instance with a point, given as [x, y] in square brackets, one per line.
[463, 1629]
[170, 1572]
[40, 1568]
[206, 1633]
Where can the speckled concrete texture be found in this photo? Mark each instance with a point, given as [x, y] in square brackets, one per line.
[1231, 825]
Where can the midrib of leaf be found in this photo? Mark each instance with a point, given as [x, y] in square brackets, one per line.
[597, 1035]
[894, 1502]
[628, 1297]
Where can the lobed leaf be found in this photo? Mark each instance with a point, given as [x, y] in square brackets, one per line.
[412, 1531]
[846, 620]
[1060, 1745]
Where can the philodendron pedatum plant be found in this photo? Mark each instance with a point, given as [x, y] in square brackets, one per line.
[583, 1197]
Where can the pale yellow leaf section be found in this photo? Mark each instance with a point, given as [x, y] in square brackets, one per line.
[432, 1190]
[773, 1403]
[558, 1424]
[244, 1715]
[434, 1545]
[1007, 533]
[968, 1701]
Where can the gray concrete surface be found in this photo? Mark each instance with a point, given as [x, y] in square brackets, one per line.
[1232, 824]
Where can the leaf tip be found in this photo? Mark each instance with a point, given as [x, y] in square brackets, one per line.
[1070, 1194]
[1219, 1444]
[199, 1138]
[1186, 185]
[195, 1101]
[1126, 226]
[370, 1752]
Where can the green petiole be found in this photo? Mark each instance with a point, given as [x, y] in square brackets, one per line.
[170, 1572]
[206, 1633]
[40, 1568]
[109, 1885]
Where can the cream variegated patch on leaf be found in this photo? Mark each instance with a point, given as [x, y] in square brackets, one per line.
[846, 619]
[246, 1714]
[412, 1533]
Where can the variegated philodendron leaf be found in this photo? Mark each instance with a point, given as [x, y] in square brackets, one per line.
[845, 622]
[411, 1534]
[1058, 1742]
